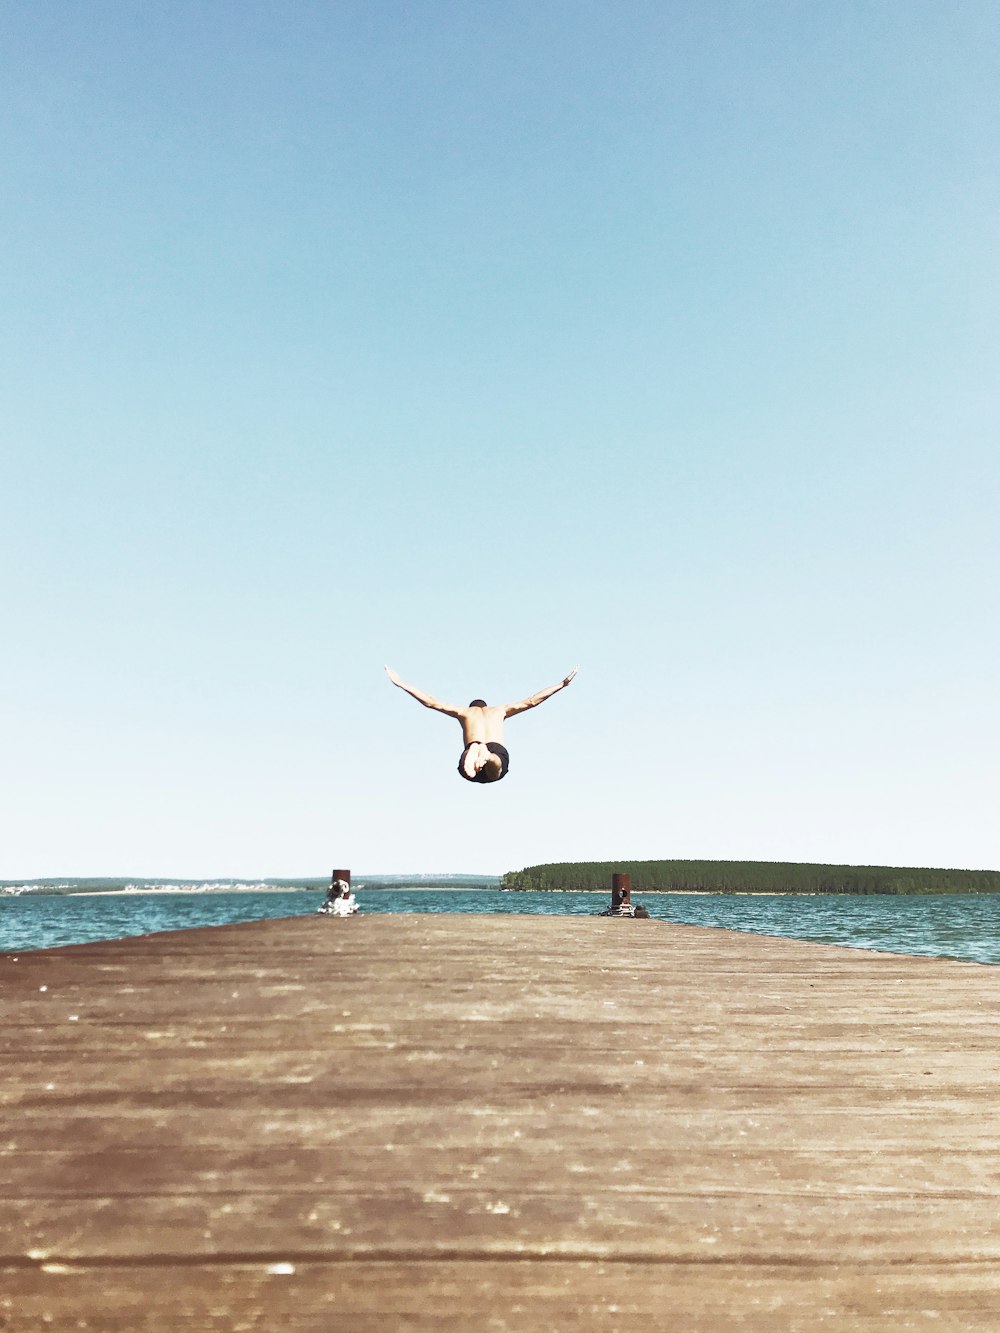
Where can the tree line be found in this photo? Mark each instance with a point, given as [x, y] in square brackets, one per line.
[749, 877]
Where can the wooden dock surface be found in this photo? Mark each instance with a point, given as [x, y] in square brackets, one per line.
[497, 1122]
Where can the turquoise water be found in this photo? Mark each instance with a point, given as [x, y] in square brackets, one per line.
[965, 926]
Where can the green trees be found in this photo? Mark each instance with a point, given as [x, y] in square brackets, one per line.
[751, 877]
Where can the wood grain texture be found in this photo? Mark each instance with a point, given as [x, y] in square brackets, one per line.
[496, 1122]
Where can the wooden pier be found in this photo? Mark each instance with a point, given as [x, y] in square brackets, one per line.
[500, 1122]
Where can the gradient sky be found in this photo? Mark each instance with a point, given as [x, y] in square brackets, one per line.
[485, 341]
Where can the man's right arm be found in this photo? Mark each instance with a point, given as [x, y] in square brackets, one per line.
[423, 697]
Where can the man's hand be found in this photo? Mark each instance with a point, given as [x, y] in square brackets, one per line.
[566, 681]
[392, 676]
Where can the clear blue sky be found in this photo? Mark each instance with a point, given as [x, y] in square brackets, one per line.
[660, 338]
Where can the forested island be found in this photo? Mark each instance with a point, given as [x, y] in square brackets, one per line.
[749, 877]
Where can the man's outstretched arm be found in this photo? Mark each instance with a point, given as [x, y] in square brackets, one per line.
[540, 697]
[423, 697]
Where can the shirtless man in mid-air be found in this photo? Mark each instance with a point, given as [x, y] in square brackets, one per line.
[484, 758]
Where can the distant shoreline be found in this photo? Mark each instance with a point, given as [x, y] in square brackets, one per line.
[410, 888]
[163, 893]
[362, 888]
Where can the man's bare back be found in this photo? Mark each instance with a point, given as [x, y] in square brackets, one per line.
[484, 758]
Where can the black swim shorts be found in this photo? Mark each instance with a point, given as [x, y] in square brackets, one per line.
[494, 747]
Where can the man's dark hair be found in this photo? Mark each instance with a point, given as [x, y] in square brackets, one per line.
[478, 703]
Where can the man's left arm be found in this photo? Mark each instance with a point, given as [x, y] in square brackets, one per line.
[535, 699]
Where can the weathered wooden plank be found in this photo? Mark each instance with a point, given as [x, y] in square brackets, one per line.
[210, 1169]
[429, 1218]
[460, 1296]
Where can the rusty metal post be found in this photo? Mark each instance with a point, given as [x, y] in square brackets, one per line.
[340, 874]
[621, 891]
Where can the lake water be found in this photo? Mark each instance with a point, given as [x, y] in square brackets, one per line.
[965, 926]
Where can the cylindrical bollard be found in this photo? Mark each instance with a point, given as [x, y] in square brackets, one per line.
[621, 890]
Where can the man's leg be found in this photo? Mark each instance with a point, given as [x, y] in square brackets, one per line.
[473, 759]
[490, 769]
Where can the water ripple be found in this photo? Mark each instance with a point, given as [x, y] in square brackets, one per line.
[964, 926]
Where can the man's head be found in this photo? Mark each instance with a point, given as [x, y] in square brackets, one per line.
[478, 703]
